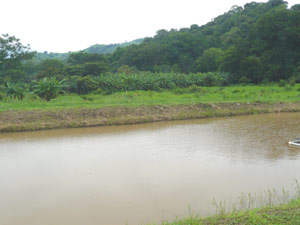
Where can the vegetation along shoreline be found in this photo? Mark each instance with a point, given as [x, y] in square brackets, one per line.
[32, 120]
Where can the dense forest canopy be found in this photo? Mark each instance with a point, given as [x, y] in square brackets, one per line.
[259, 42]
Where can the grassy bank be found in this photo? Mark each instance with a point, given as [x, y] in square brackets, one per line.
[268, 207]
[281, 214]
[194, 94]
[145, 106]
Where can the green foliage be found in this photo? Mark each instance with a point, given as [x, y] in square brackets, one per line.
[12, 53]
[83, 64]
[83, 57]
[2, 95]
[111, 83]
[88, 97]
[14, 90]
[95, 68]
[50, 68]
[82, 85]
[14, 75]
[257, 43]
[48, 88]
[127, 69]
[282, 83]
[269, 93]
[209, 61]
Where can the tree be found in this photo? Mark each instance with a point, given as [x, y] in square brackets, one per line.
[12, 53]
[49, 68]
[82, 85]
[95, 68]
[127, 69]
[209, 61]
[83, 57]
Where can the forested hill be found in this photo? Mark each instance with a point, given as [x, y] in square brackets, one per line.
[260, 41]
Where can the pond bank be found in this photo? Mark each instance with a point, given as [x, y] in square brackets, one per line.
[282, 214]
[15, 121]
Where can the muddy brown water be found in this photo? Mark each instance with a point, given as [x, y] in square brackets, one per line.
[141, 174]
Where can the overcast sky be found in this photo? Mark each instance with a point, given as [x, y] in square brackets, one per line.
[72, 25]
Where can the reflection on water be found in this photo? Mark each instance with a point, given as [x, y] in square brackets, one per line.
[142, 173]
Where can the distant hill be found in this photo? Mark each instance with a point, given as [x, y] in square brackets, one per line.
[104, 49]
[98, 49]
[40, 56]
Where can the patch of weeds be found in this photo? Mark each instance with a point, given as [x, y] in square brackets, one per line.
[179, 91]
[288, 88]
[198, 95]
[88, 97]
[282, 83]
[150, 93]
[194, 89]
[100, 91]
[2, 95]
[130, 94]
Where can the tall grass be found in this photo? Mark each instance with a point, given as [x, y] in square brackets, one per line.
[266, 198]
[267, 207]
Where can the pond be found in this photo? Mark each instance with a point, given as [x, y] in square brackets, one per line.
[141, 174]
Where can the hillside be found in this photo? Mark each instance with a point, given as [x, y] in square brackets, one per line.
[254, 43]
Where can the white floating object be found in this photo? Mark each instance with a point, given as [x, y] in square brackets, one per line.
[295, 142]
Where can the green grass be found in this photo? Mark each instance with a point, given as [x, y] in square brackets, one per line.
[262, 93]
[282, 214]
[268, 207]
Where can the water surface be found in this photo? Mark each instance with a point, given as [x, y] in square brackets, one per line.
[141, 174]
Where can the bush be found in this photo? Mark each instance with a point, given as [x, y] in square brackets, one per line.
[282, 83]
[110, 83]
[99, 91]
[14, 89]
[2, 96]
[48, 88]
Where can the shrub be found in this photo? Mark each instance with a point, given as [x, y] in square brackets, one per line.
[282, 83]
[14, 89]
[48, 88]
[2, 96]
